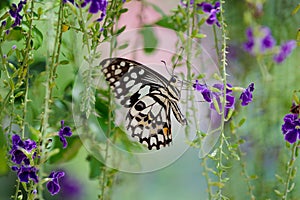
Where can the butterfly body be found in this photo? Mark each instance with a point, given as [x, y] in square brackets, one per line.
[149, 96]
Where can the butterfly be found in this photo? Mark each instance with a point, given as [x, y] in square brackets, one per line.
[149, 97]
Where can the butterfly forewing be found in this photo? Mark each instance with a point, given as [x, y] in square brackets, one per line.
[149, 96]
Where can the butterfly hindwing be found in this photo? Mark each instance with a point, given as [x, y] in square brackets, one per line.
[149, 120]
[149, 96]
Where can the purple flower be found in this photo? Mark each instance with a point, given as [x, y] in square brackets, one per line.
[212, 11]
[246, 95]
[230, 100]
[17, 155]
[53, 185]
[248, 46]
[215, 95]
[3, 23]
[26, 173]
[206, 93]
[291, 127]
[95, 6]
[263, 40]
[285, 51]
[15, 12]
[267, 42]
[65, 131]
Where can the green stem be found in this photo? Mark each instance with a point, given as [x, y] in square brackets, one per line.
[110, 117]
[263, 69]
[205, 174]
[244, 171]
[224, 76]
[17, 190]
[216, 44]
[25, 67]
[289, 171]
[188, 45]
[51, 71]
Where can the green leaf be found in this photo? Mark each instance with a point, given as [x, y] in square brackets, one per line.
[36, 35]
[19, 94]
[166, 22]
[95, 167]
[4, 168]
[4, 4]
[64, 62]
[278, 193]
[121, 30]
[123, 46]
[37, 38]
[150, 39]
[296, 9]
[67, 154]
[200, 76]
[199, 35]
[217, 184]
[15, 34]
[157, 9]
[253, 177]
[241, 122]
[124, 10]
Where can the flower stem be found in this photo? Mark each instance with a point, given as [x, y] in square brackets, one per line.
[25, 67]
[110, 118]
[17, 190]
[289, 171]
[220, 166]
[51, 71]
[216, 44]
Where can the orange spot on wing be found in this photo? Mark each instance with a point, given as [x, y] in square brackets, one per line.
[166, 131]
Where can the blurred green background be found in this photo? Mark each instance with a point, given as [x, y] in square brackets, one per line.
[265, 151]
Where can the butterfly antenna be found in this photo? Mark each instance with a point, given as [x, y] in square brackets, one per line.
[166, 67]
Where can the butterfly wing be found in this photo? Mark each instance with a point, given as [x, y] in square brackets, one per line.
[149, 120]
[126, 77]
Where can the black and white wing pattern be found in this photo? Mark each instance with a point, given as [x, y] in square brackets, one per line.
[148, 95]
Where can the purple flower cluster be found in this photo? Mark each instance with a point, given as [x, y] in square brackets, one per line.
[215, 94]
[95, 6]
[22, 152]
[208, 8]
[291, 128]
[258, 41]
[285, 50]
[212, 10]
[65, 131]
[263, 39]
[15, 12]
